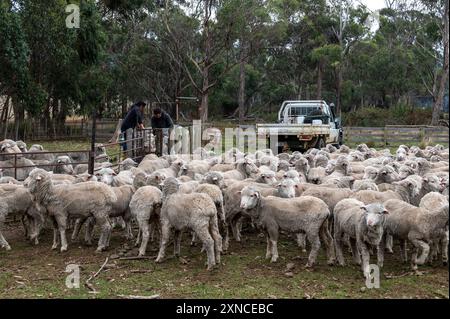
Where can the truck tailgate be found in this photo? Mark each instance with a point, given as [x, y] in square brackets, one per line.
[293, 129]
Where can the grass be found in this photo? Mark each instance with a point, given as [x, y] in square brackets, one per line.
[37, 272]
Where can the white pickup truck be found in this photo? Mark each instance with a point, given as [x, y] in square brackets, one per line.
[303, 125]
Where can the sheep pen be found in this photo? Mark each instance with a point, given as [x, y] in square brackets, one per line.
[36, 271]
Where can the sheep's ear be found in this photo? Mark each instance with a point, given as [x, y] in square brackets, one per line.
[257, 194]
[385, 212]
[114, 174]
[364, 208]
[263, 175]
[215, 179]
[425, 179]
[38, 178]
[239, 192]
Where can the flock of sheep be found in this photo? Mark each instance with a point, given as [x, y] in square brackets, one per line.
[361, 198]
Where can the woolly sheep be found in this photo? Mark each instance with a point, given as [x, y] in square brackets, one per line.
[79, 200]
[193, 211]
[306, 214]
[364, 225]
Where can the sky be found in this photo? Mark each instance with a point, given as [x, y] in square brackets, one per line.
[373, 4]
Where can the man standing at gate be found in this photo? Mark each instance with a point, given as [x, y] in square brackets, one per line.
[162, 121]
[134, 119]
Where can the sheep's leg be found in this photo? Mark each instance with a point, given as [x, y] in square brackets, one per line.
[425, 249]
[235, 228]
[389, 244]
[214, 230]
[314, 240]
[226, 242]
[355, 252]
[144, 231]
[403, 250]
[338, 246]
[128, 229]
[3, 242]
[301, 241]
[444, 248]
[194, 239]
[327, 239]
[76, 229]
[88, 231]
[208, 243]
[138, 238]
[177, 243]
[61, 220]
[26, 226]
[165, 236]
[269, 247]
[365, 255]
[105, 226]
[380, 252]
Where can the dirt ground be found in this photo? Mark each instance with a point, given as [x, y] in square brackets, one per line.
[38, 272]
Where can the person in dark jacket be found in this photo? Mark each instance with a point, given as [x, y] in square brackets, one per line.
[161, 119]
[134, 119]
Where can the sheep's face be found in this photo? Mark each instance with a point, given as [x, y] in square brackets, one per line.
[342, 163]
[292, 175]
[388, 174]
[405, 171]
[22, 146]
[423, 164]
[411, 186]
[315, 175]
[155, 179]
[250, 167]
[356, 156]
[344, 149]
[37, 178]
[375, 215]
[401, 155]
[64, 165]
[283, 165]
[214, 178]
[432, 183]
[183, 170]
[286, 189]
[370, 173]
[362, 148]
[178, 164]
[106, 176]
[330, 167]
[302, 165]
[412, 164]
[9, 147]
[267, 178]
[249, 198]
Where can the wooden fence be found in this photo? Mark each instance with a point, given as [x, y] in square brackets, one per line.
[395, 135]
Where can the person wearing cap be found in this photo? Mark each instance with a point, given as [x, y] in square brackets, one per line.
[133, 119]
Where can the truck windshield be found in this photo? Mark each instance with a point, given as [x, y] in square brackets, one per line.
[301, 110]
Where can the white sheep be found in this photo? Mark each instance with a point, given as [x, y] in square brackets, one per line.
[196, 212]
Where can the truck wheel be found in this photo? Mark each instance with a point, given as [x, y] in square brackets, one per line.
[320, 143]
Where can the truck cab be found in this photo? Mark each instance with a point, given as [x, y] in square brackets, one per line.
[304, 124]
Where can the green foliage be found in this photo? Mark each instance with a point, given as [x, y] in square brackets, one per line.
[397, 115]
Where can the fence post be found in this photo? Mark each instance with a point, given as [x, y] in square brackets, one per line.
[385, 137]
[92, 152]
[15, 166]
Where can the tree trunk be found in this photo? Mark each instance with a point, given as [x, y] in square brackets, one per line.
[124, 107]
[338, 90]
[319, 80]
[241, 93]
[443, 82]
